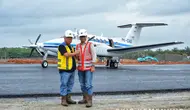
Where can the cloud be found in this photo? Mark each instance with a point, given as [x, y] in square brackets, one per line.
[56, 8]
[21, 20]
[159, 7]
[30, 16]
[135, 11]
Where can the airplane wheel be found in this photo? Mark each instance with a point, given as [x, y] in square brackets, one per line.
[111, 64]
[115, 65]
[44, 64]
[107, 63]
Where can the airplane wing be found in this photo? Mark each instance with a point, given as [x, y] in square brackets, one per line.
[143, 47]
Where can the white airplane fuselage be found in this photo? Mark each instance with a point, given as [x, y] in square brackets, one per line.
[101, 45]
[112, 48]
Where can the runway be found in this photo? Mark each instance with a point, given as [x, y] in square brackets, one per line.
[32, 79]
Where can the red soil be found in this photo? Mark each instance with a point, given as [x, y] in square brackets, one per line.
[53, 61]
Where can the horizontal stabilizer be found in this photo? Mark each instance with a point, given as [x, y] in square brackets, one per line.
[142, 25]
[143, 47]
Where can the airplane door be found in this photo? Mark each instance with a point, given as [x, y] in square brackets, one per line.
[111, 43]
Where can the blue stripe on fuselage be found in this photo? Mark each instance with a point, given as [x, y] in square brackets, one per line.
[52, 43]
[55, 45]
[51, 46]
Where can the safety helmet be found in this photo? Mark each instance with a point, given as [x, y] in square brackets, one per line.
[82, 32]
[68, 33]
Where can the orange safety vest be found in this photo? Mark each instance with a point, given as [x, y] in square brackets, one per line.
[85, 57]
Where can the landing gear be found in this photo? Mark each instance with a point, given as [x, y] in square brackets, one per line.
[112, 63]
[116, 64]
[44, 64]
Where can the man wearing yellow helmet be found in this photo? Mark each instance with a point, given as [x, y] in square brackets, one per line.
[67, 67]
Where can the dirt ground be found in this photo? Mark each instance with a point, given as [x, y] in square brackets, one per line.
[53, 61]
[166, 101]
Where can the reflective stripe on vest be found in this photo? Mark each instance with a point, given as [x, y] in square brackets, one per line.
[65, 63]
[85, 59]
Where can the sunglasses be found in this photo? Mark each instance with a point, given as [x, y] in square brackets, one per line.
[82, 36]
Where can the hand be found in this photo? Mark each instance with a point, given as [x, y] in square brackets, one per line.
[77, 52]
[92, 69]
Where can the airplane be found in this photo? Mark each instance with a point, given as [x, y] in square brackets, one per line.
[111, 48]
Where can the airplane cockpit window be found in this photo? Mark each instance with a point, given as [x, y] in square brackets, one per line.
[111, 43]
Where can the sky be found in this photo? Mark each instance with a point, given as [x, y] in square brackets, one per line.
[21, 20]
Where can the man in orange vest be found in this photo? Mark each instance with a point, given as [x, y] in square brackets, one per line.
[86, 60]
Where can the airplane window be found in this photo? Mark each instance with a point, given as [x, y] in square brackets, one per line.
[101, 41]
[104, 41]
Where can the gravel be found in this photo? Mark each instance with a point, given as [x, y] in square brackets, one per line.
[158, 101]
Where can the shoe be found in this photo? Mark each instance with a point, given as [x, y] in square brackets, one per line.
[89, 101]
[69, 100]
[83, 101]
[63, 101]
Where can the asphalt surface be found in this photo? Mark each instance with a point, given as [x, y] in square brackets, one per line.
[32, 79]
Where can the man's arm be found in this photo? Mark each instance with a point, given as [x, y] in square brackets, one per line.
[64, 52]
[77, 56]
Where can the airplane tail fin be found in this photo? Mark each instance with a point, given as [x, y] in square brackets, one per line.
[134, 33]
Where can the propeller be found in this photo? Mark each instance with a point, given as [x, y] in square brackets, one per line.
[31, 52]
[37, 39]
[36, 49]
[30, 41]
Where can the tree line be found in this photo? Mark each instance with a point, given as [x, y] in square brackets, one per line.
[25, 53]
[17, 53]
[135, 55]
